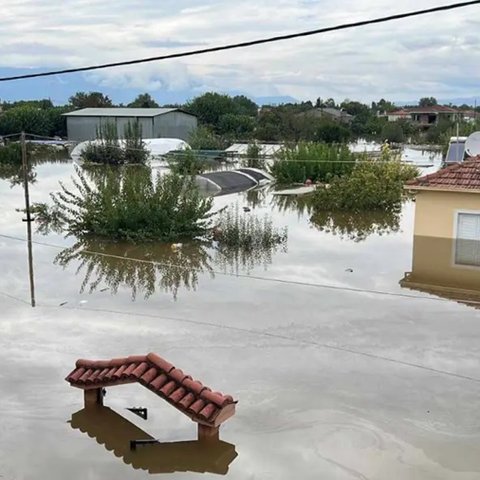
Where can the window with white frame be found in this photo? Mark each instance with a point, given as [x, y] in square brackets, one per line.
[467, 244]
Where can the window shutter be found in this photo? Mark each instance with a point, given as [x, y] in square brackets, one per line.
[467, 246]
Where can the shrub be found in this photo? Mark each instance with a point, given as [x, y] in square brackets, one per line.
[247, 231]
[11, 154]
[112, 151]
[135, 206]
[246, 240]
[393, 132]
[314, 161]
[372, 185]
[205, 139]
[186, 163]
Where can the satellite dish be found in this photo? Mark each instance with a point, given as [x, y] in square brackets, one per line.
[472, 145]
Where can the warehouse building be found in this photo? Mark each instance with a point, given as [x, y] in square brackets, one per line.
[156, 122]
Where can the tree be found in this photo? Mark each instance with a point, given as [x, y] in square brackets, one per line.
[241, 126]
[245, 106]
[383, 106]
[329, 103]
[144, 100]
[393, 132]
[210, 107]
[428, 102]
[90, 100]
[26, 118]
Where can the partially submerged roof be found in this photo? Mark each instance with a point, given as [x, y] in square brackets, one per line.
[123, 112]
[233, 181]
[464, 176]
[189, 396]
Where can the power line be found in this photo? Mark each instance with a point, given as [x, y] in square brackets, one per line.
[250, 43]
[254, 277]
[253, 332]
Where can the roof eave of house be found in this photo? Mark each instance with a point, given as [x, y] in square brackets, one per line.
[442, 189]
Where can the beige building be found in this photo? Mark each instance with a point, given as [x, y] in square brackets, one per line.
[446, 249]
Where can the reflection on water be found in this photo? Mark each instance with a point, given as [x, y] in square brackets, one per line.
[357, 226]
[447, 268]
[353, 226]
[115, 432]
[296, 203]
[14, 174]
[138, 267]
[169, 267]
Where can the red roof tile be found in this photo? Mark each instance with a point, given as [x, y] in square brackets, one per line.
[153, 372]
[459, 176]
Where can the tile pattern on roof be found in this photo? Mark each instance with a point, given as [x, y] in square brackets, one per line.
[189, 396]
[461, 176]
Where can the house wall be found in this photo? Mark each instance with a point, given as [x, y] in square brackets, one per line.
[434, 265]
[175, 125]
[435, 211]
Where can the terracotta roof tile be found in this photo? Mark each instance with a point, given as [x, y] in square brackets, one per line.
[459, 176]
[152, 371]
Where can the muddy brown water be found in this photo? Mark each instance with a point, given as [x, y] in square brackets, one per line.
[338, 382]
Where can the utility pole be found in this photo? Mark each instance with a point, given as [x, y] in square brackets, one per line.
[29, 219]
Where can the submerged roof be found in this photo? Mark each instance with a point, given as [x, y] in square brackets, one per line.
[463, 176]
[189, 396]
[122, 112]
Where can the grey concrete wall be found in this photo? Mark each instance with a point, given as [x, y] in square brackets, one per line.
[169, 125]
[175, 125]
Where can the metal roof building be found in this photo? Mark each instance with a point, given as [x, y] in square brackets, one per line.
[156, 122]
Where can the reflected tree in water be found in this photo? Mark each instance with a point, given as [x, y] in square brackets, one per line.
[14, 174]
[142, 268]
[296, 203]
[357, 226]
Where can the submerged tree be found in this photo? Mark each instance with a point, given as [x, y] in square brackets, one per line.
[135, 205]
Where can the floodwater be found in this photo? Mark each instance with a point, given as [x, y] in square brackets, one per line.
[345, 365]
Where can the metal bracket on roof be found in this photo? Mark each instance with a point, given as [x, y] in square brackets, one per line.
[142, 412]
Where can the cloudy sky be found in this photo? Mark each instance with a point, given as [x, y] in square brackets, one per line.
[437, 54]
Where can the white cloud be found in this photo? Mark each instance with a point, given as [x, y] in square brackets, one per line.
[430, 55]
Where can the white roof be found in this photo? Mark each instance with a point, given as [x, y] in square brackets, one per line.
[122, 112]
[155, 146]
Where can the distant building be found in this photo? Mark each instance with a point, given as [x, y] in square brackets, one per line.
[155, 122]
[446, 255]
[331, 113]
[423, 116]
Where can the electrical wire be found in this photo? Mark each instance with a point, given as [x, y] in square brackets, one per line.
[266, 334]
[254, 277]
[250, 43]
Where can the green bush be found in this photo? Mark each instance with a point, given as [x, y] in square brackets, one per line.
[11, 153]
[247, 231]
[134, 206]
[111, 151]
[393, 132]
[203, 138]
[186, 163]
[372, 185]
[314, 161]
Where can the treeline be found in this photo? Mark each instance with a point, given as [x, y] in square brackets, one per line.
[224, 118]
